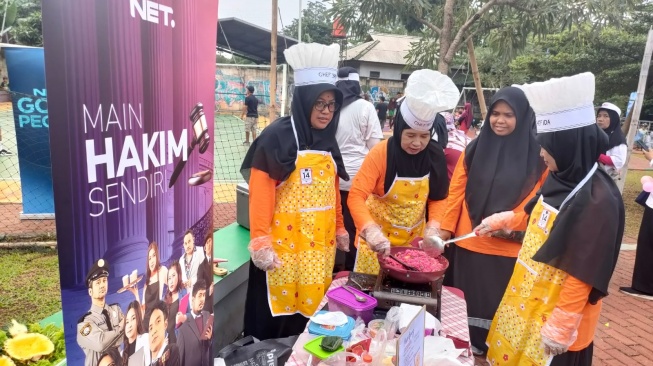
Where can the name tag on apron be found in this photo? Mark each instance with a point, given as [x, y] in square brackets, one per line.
[544, 219]
[306, 175]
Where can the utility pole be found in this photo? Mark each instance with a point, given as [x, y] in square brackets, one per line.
[299, 23]
[273, 64]
[477, 78]
[637, 107]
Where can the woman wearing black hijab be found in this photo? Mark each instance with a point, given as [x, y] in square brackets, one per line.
[608, 117]
[295, 213]
[496, 175]
[403, 176]
[551, 307]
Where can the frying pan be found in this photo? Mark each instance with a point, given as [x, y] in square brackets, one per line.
[405, 275]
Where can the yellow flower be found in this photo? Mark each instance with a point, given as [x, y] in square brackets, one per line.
[16, 328]
[6, 361]
[28, 346]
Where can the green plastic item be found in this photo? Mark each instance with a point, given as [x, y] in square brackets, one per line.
[314, 347]
[331, 343]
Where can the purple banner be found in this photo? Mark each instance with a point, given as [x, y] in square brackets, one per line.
[130, 96]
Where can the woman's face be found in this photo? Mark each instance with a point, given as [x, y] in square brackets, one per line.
[502, 119]
[414, 141]
[131, 330]
[173, 279]
[151, 260]
[548, 160]
[321, 119]
[603, 119]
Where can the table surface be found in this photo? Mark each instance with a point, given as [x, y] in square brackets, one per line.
[231, 243]
[454, 320]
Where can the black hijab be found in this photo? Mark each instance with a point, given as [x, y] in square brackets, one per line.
[586, 235]
[613, 131]
[502, 170]
[440, 127]
[351, 89]
[404, 165]
[275, 150]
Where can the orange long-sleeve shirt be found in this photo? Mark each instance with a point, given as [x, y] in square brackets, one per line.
[370, 180]
[456, 217]
[262, 194]
[573, 299]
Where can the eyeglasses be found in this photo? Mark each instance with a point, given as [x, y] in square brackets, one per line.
[320, 105]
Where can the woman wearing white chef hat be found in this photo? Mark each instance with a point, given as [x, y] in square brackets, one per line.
[552, 303]
[403, 176]
[608, 118]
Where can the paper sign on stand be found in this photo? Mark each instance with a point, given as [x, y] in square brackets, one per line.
[410, 347]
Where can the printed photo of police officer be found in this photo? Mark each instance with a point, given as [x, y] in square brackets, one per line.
[102, 327]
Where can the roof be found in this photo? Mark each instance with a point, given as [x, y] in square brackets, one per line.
[383, 48]
[250, 41]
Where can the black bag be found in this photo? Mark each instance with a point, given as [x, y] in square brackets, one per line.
[249, 351]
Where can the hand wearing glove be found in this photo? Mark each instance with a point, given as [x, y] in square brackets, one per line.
[376, 240]
[495, 222]
[262, 253]
[342, 239]
[560, 331]
[431, 242]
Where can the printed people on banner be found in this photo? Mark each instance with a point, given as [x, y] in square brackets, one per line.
[155, 278]
[103, 325]
[194, 336]
[176, 299]
[190, 261]
[176, 330]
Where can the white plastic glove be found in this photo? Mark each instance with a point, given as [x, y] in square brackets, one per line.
[495, 222]
[342, 239]
[431, 241]
[560, 331]
[376, 240]
[262, 253]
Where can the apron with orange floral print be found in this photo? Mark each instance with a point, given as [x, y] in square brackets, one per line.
[400, 213]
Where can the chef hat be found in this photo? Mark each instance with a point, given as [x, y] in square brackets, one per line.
[348, 73]
[427, 93]
[313, 63]
[563, 103]
[611, 107]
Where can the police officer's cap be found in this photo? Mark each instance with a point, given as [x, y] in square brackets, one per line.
[100, 269]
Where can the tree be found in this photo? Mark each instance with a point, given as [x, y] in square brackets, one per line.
[446, 25]
[316, 24]
[24, 18]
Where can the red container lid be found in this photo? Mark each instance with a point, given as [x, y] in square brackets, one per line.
[342, 296]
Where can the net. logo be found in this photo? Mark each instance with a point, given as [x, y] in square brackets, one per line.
[152, 11]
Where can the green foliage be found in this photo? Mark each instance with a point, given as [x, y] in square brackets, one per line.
[28, 30]
[316, 24]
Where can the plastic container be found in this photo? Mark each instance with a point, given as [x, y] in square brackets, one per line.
[341, 300]
[313, 347]
[343, 331]
[374, 326]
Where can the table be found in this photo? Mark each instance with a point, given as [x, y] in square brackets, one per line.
[454, 320]
[229, 291]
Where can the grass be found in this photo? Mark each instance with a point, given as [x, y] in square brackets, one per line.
[29, 284]
[634, 211]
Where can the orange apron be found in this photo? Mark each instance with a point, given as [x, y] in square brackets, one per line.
[400, 213]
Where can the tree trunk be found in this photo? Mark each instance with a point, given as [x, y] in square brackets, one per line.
[443, 66]
[445, 37]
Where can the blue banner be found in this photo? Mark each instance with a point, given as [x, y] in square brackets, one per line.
[27, 84]
[631, 102]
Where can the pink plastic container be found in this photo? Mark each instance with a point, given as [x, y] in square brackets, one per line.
[341, 300]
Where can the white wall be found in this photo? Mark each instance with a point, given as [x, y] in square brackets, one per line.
[388, 71]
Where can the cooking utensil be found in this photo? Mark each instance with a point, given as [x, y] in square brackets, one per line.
[358, 297]
[356, 283]
[463, 237]
[441, 244]
[409, 276]
[409, 267]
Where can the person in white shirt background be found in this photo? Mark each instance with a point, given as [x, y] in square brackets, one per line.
[359, 130]
[608, 118]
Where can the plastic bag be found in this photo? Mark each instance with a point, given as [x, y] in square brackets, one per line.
[392, 319]
[251, 351]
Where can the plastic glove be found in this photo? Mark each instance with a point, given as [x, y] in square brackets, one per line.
[560, 331]
[376, 240]
[431, 242]
[496, 222]
[342, 239]
[262, 253]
